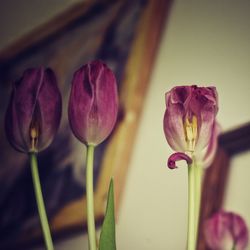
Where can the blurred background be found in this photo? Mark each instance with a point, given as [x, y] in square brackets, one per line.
[204, 43]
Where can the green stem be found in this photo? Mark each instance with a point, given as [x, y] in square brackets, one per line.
[40, 202]
[198, 182]
[90, 198]
[191, 237]
[194, 197]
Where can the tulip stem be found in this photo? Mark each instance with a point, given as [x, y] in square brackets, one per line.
[191, 237]
[40, 202]
[198, 186]
[90, 198]
[194, 197]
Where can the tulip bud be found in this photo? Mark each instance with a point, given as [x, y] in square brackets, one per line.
[34, 111]
[226, 231]
[93, 103]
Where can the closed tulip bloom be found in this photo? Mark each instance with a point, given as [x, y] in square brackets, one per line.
[93, 103]
[226, 231]
[34, 111]
[189, 121]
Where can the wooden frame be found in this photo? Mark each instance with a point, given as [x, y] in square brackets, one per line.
[230, 144]
[134, 75]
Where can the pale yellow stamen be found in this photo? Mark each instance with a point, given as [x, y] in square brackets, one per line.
[191, 132]
[34, 138]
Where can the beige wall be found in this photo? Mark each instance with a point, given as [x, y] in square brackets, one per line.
[207, 43]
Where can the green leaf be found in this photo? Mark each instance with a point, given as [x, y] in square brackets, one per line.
[107, 237]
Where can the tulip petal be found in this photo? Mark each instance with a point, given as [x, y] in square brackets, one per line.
[178, 157]
[105, 106]
[50, 102]
[21, 107]
[26, 97]
[12, 127]
[173, 125]
[216, 234]
[212, 146]
[224, 230]
[181, 95]
[240, 232]
[204, 106]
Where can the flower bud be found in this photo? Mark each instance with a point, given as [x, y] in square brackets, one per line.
[226, 231]
[93, 103]
[34, 111]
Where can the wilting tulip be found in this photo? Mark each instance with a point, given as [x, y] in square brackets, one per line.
[34, 110]
[93, 103]
[189, 121]
[226, 231]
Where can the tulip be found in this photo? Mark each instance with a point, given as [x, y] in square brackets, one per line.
[93, 103]
[191, 130]
[93, 108]
[226, 231]
[189, 121]
[34, 111]
[32, 120]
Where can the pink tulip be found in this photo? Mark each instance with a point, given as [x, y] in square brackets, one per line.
[189, 121]
[226, 231]
[93, 104]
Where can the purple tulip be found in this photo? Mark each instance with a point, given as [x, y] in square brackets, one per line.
[34, 111]
[226, 231]
[93, 103]
[189, 121]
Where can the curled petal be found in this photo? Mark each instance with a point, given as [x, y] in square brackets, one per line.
[178, 157]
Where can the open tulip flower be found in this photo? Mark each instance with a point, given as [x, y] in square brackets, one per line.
[189, 123]
[226, 231]
[191, 130]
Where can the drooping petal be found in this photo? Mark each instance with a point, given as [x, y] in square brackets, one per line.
[178, 157]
